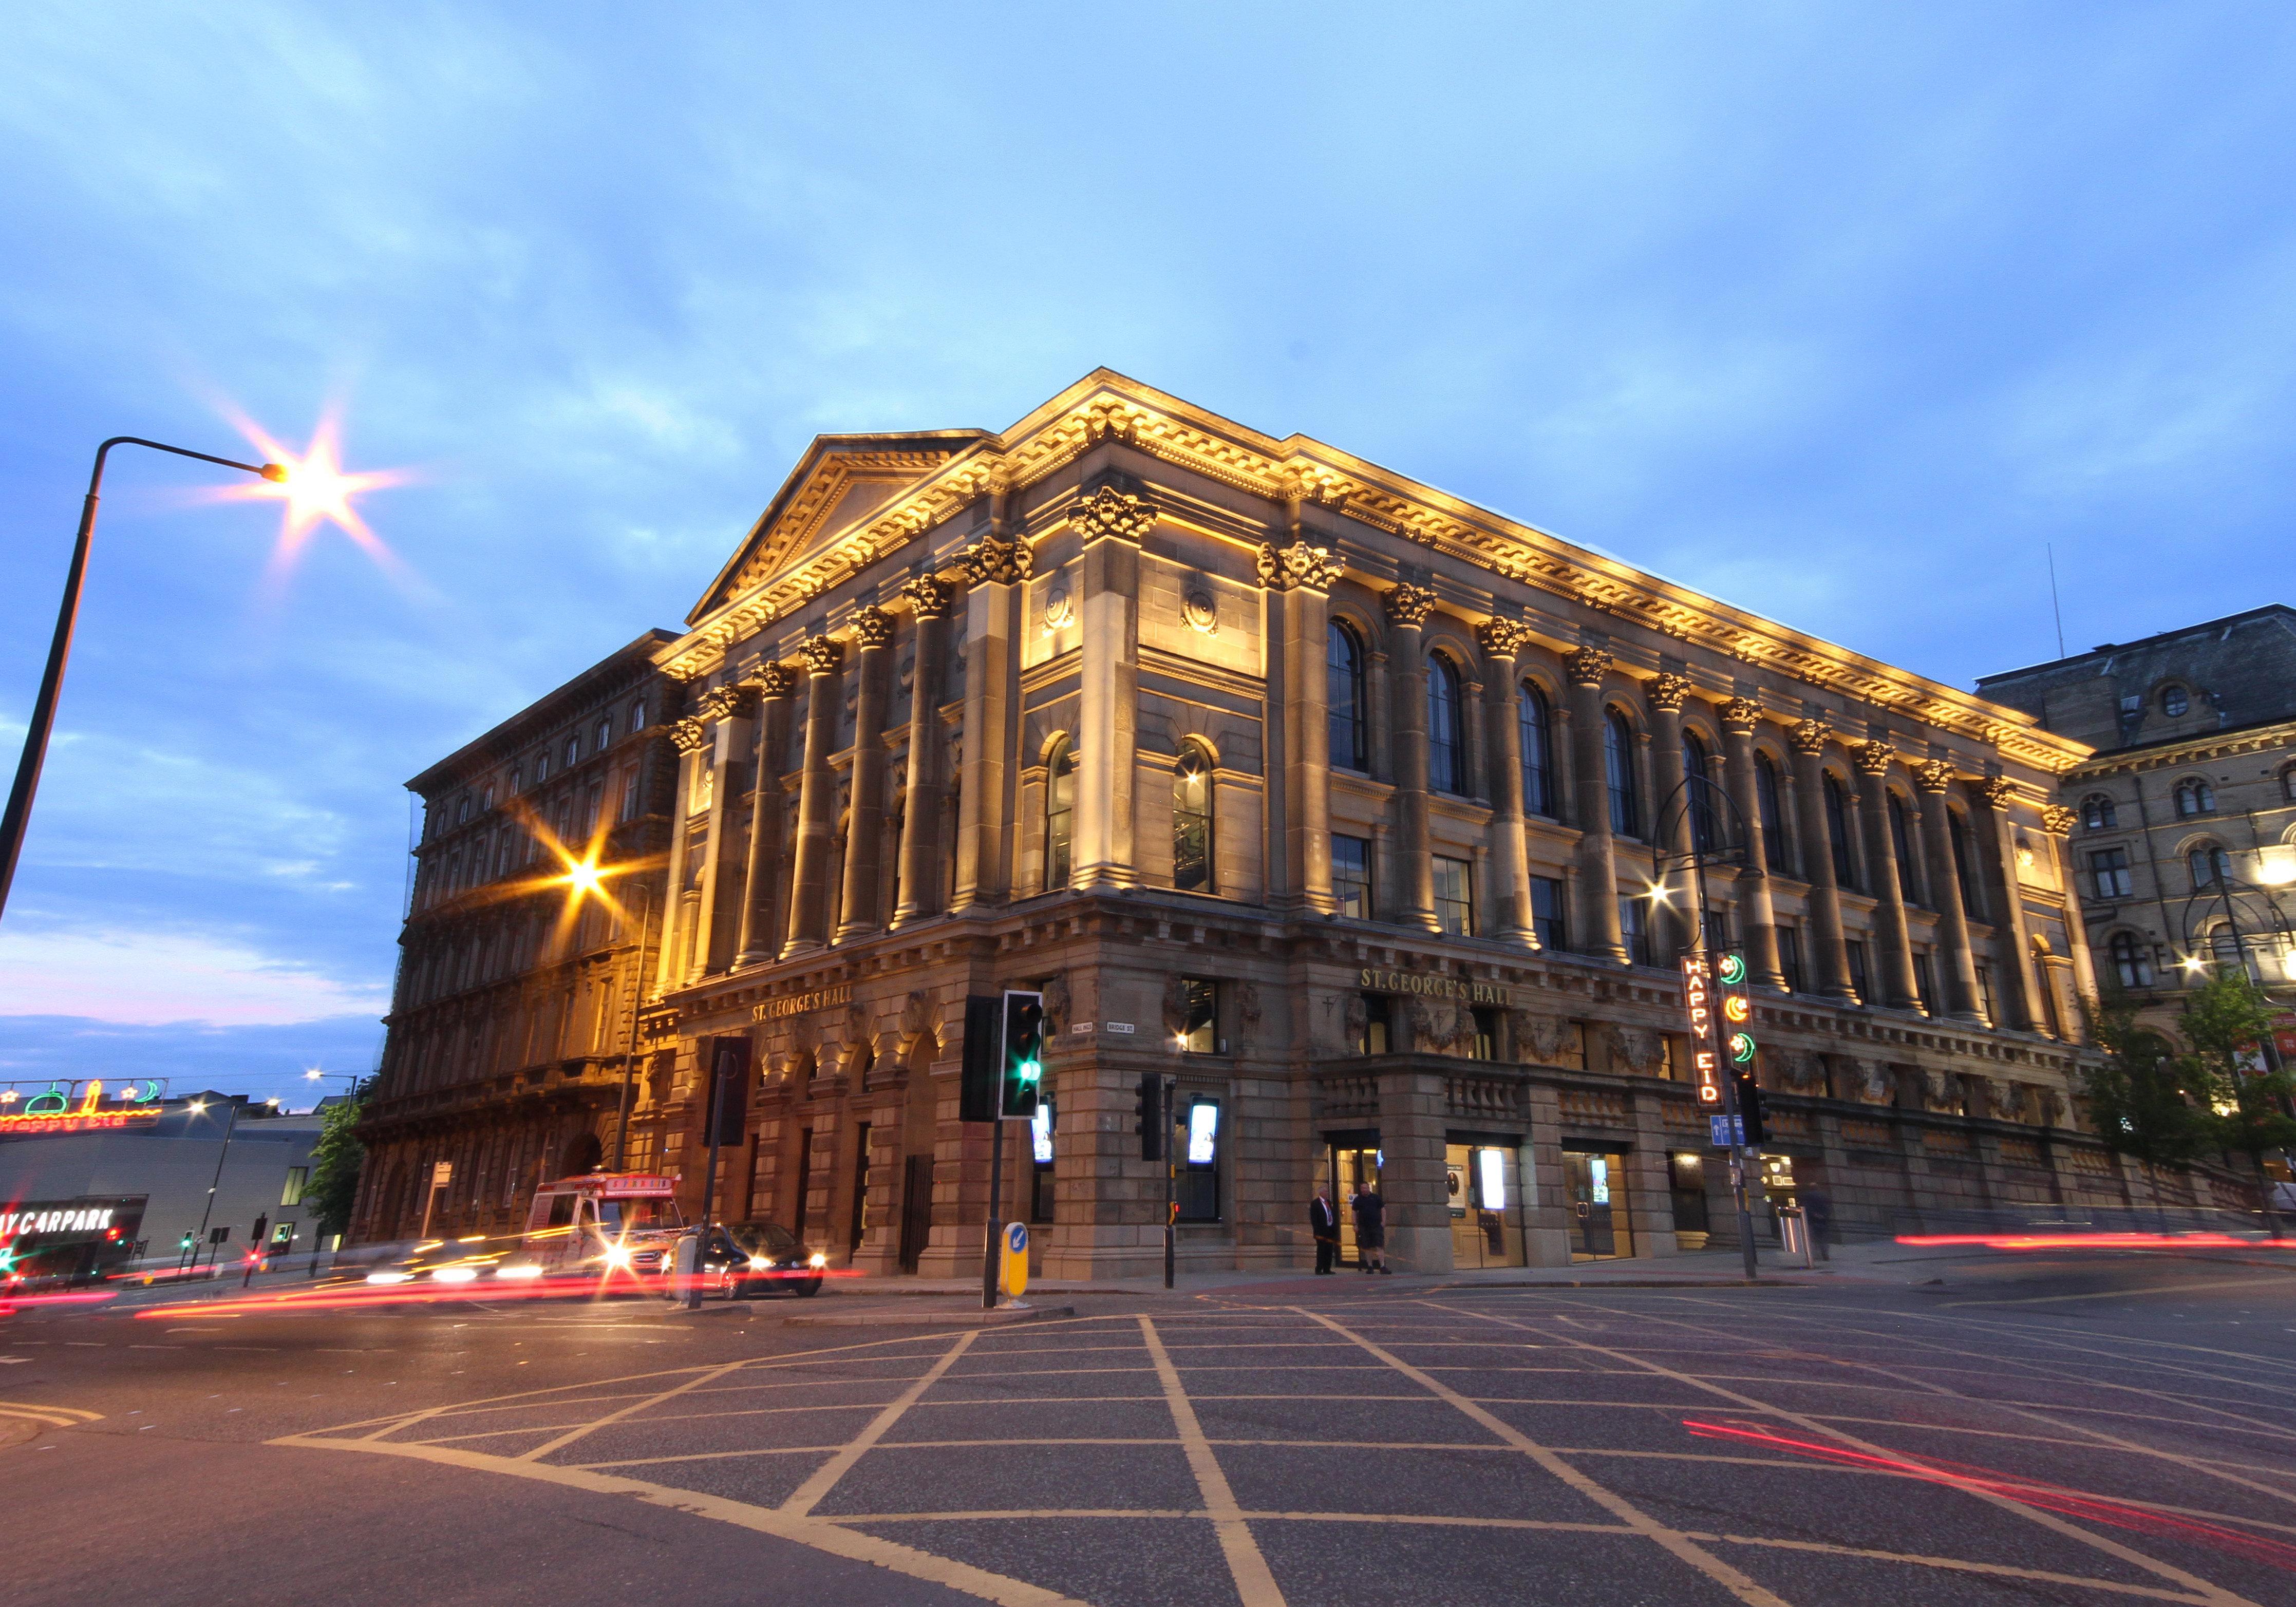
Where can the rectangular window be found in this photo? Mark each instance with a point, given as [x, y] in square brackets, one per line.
[1454, 897]
[1632, 931]
[1196, 1189]
[1925, 982]
[631, 794]
[1858, 968]
[296, 1177]
[1487, 1035]
[1351, 876]
[2109, 868]
[1378, 1036]
[1789, 956]
[1985, 994]
[1200, 1029]
[1547, 913]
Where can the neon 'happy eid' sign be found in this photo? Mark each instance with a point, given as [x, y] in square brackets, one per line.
[77, 1107]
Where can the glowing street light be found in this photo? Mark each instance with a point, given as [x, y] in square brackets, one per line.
[44, 707]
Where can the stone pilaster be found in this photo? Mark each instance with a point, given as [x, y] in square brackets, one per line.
[729, 709]
[1299, 580]
[1407, 608]
[995, 569]
[864, 831]
[1596, 916]
[1112, 524]
[816, 797]
[1933, 777]
[1830, 948]
[1756, 917]
[1510, 856]
[2013, 940]
[1898, 988]
[922, 894]
[680, 897]
[775, 685]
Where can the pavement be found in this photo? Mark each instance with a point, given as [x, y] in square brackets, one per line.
[1910, 1425]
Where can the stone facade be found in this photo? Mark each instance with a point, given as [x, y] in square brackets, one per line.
[1357, 809]
[2181, 830]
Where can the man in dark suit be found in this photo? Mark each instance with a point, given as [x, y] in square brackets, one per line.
[1324, 1222]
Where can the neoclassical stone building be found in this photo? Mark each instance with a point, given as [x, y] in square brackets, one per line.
[1347, 804]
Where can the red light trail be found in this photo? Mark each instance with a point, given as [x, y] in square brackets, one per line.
[2198, 1240]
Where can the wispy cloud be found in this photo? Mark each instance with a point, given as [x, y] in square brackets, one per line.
[149, 979]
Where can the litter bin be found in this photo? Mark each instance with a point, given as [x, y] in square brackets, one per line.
[685, 1281]
[1794, 1231]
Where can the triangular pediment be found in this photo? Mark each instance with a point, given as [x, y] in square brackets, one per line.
[840, 482]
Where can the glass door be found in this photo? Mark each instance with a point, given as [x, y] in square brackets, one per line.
[1351, 1169]
[1596, 1180]
[1486, 1218]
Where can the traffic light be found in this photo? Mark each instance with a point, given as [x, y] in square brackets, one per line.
[1149, 1123]
[1021, 1069]
[1751, 1115]
[976, 1092]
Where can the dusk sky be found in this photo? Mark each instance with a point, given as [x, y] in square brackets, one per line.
[1842, 314]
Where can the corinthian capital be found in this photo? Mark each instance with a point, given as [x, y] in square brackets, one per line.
[991, 561]
[1933, 775]
[931, 598]
[774, 680]
[1667, 691]
[725, 703]
[1999, 792]
[2057, 820]
[1282, 568]
[1873, 758]
[1503, 638]
[822, 655]
[1740, 716]
[1110, 512]
[872, 627]
[1409, 604]
[1586, 666]
[1808, 737]
[690, 735]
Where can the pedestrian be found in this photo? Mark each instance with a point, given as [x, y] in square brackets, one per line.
[1817, 1211]
[1324, 1223]
[1371, 1228]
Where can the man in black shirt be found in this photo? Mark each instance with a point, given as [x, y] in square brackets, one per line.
[1371, 1228]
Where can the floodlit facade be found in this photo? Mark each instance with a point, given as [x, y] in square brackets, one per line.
[1343, 801]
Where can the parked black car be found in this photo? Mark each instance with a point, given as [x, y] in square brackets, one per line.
[744, 1260]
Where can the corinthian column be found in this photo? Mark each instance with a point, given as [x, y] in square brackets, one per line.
[1665, 695]
[994, 566]
[1111, 525]
[1933, 777]
[1832, 949]
[1598, 871]
[1503, 640]
[1299, 580]
[776, 685]
[1755, 914]
[682, 876]
[921, 889]
[2013, 940]
[726, 711]
[816, 797]
[2057, 820]
[1872, 760]
[1407, 608]
[864, 831]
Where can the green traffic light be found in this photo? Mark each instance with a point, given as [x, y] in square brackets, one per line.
[1030, 1071]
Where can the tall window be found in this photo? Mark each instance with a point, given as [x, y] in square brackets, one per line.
[1059, 816]
[1705, 827]
[1619, 773]
[1455, 896]
[1351, 876]
[1858, 968]
[1837, 833]
[1532, 721]
[1925, 983]
[1789, 956]
[1200, 1016]
[605, 736]
[2196, 797]
[1546, 917]
[1774, 817]
[1972, 896]
[2097, 813]
[2130, 962]
[637, 716]
[2209, 865]
[1446, 768]
[1344, 700]
[1633, 932]
[1901, 843]
[1192, 819]
[2108, 869]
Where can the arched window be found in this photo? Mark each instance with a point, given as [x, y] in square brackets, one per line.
[1957, 829]
[1901, 844]
[2130, 964]
[463, 810]
[1535, 727]
[1060, 814]
[605, 736]
[1837, 833]
[1619, 773]
[1774, 815]
[1445, 770]
[2174, 701]
[2097, 813]
[1344, 700]
[637, 716]
[2288, 784]
[2209, 865]
[573, 751]
[1192, 819]
[1698, 796]
[2223, 946]
[2196, 797]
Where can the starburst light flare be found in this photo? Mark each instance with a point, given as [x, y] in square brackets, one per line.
[316, 489]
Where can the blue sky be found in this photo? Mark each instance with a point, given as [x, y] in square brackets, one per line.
[1841, 313]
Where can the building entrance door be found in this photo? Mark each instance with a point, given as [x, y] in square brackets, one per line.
[916, 1209]
[1486, 1217]
[1351, 1169]
[1596, 1180]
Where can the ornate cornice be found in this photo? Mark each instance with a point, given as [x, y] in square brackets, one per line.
[774, 680]
[931, 598]
[872, 627]
[1282, 568]
[1933, 775]
[2057, 820]
[822, 655]
[1409, 604]
[1808, 737]
[1586, 666]
[1873, 758]
[1503, 638]
[1667, 691]
[1109, 513]
[1740, 716]
[990, 562]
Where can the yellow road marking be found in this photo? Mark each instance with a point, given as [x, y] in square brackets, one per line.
[2117, 1295]
[1255, 1586]
[802, 1501]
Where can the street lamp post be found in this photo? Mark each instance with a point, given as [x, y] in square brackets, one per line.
[630, 1060]
[231, 1123]
[44, 707]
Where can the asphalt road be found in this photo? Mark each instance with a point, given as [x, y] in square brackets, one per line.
[2084, 1429]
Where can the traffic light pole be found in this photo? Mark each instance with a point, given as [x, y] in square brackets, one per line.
[993, 1238]
[1171, 1210]
[1739, 1154]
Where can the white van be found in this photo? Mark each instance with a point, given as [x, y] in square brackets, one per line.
[603, 1223]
